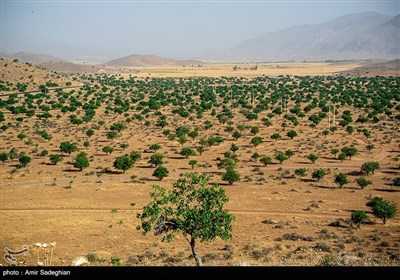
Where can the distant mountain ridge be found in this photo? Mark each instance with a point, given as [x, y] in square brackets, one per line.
[33, 58]
[137, 60]
[366, 35]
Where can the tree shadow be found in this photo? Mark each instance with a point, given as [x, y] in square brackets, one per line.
[387, 190]
[71, 170]
[355, 173]
[176, 157]
[390, 171]
[47, 163]
[324, 187]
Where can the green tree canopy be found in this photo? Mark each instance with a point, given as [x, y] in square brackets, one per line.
[192, 208]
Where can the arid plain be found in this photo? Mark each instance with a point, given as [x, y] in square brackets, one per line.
[281, 218]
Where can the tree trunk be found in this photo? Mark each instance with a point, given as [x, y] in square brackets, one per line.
[194, 252]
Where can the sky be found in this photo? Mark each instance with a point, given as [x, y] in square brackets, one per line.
[105, 30]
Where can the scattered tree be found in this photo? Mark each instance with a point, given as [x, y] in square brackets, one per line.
[312, 157]
[266, 160]
[160, 172]
[81, 161]
[156, 159]
[192, 208]
[56, 158]
[370, 167]
[192, 163]
[362, 182]
[359, 217]
[341, 179]
[123, 163]
[231, 175]
[318, 174]
[291, 134]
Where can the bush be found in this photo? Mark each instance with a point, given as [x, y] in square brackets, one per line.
[396, 182]
[81, 161]
[231, 176]
[312, 157]
[160, 172]
[55, 158]
[123, 163]
[266, 160]
[341, 179]
[302, 172]
[362, 182]
[359, 217]
[318, 174]
[385, 210]
[370, 167]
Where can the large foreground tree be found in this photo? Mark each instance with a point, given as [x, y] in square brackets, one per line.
[192, 208]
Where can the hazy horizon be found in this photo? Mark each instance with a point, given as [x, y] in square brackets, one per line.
[105, 30]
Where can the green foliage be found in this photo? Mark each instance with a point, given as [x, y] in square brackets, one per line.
[318, 174]
[154, 147]
[192, 208]
[89, 132]
[266, 160]
[117, 127]
[291, 134]
[370, 167]
[289, 153]
[187, 151]
[112, 134]
[335, 151]
[383, 209]
[236, 135]
[231, 175]
[24, 160]
[3, 157]
[68, 147]
[156, 159]
[193, 134]
[362, 182]
[281, 156]
[312, 157]
[201, 149]
[275, 136]
[359, 217]
[116, 261]
[349, 151]
[302, 172]
[256, 141]
[192, 163]
[135, 156]
[108, 149]
[342, 157]
[56, 158]
[341, 179]
[81, 161]
[123, 163]
[234, 148]
[160, 172]
[396, 182]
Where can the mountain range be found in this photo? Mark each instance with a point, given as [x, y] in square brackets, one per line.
[363, 36]
[366, 35]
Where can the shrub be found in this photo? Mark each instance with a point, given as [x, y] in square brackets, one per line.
[160, 172]
[370, 167]
[362, 182]
[359, 217]
[231, 175]
[341, 179]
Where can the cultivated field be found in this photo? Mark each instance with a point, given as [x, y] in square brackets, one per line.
[228, 119]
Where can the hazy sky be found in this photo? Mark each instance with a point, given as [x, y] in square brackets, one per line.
[181, 29]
